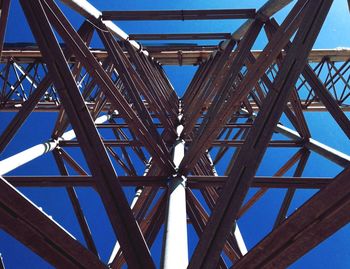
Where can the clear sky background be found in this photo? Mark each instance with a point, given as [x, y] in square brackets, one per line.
[333, 253]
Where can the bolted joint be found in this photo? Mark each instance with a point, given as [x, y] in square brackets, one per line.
[262, 17]
[141, 49]
[176, 180]
[221, 46]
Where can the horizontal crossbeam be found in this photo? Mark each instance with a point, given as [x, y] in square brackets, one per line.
[194, 36]
[167, 55]
[182, 15]
[195, 182]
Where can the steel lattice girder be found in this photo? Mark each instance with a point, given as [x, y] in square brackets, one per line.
[235, 101]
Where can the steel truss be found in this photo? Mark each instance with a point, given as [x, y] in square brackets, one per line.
[236, 101]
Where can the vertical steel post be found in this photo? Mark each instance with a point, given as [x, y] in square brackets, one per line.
[4, 12]
[175, 249]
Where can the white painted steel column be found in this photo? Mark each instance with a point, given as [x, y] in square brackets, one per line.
[11, 163]
[175, 246]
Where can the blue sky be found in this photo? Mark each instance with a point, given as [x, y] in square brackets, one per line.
[334, 252]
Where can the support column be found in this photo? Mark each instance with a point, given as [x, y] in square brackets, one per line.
[175, 246]
[4, 12]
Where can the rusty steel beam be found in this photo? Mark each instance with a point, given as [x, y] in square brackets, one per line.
[197, 147]
[51, 181]
[87, 10]
[86, 32]
[207, 252]
[30, 225]
[23, 113]
[116, 255]
[315, 106]
[31, 103]
[49, 106]
[193, 182]
[211, 195]
[267, 10]
[331, 154]
[284, 169]
[135, 87]
[141, 204]
[153, 90]
[199, 217]
[320, 217]
[158, 15]
[4, 12]
[89, 181]
[76, 205]
[215, 143]
[150, 226]
[194, 36]
[118, 210]
[320, 89]
[127, 79]
[168, 55]
[217, 72]
[227, 104]
[327, 99]
[118, 100]
[263, 182]
[296, 108]
[291, 191]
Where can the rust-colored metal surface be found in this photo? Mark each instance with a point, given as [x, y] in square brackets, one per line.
[199, 152]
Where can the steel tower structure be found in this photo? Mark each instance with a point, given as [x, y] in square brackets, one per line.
[118, 107]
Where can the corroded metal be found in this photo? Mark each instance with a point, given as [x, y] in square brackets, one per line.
[193, 158]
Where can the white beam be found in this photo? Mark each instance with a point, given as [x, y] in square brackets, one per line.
[23, 157]
[87, 10]
[175, 245]
[330, 153]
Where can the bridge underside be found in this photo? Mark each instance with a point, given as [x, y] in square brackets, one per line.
[200, 165]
